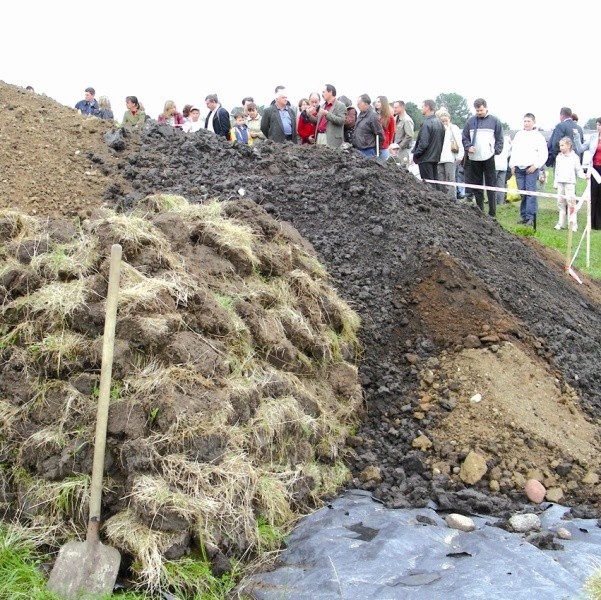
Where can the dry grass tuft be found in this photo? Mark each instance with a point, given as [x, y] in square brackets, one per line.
[159, 203]
[227, 234]
[17, 225]
[54, 302]
[65, 261]
[147, 546]
[57, 347]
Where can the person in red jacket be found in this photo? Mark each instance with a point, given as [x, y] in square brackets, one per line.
[305, 128]
[388, 125]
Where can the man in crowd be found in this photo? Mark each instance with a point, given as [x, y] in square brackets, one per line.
[330, 119]
[218, 119]
[368, 133]
[528, 155]
[279, 121]
[565, 128]
[88, 107]
[482, 139]
[404, 132]
[428, 145]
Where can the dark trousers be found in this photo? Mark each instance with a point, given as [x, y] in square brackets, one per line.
[428, 170]
[595, 200]
[477, 172]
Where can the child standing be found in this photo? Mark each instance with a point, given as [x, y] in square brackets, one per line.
[240, 130]
[567, 168]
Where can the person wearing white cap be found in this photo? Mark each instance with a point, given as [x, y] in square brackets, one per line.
[194, 123]
[393, 156]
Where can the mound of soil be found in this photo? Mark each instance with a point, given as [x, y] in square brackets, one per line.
[480, 364]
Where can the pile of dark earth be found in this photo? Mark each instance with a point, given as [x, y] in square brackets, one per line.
[392, 243]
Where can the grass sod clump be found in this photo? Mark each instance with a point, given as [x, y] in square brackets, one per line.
[508, 215]
[232, 447]
[23, 576]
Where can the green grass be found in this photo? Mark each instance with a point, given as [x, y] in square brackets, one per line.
[22, 576]
[508, 215]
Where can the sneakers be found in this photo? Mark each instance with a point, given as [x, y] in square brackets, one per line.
[529, 223]
[522, 221]
[557, 226]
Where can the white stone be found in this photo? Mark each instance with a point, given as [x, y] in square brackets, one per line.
[460, 522]
[523, 523]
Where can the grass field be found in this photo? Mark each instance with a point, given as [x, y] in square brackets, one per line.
[508, 215]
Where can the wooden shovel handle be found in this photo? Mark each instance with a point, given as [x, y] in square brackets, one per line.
[108, 346]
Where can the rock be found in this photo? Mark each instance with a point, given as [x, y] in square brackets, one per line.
[524, 523]
[494, 485]
[411, 358]
[519, 481]
[555, 495]
[421, 443]
[535, 491]
[472, 341]
[490, 339]
[473, 468]
[535, 474]
[371, 473]
[455, 521]
[564, 534]
[428, 377]
[590, 478]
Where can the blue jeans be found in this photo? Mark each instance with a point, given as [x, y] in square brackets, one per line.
[384, 154]
[460, 178]
[368, 151]
[501, 181]
[528, 203]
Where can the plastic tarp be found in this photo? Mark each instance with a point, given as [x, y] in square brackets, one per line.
[356, 549]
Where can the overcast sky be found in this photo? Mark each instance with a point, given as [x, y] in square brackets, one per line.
[519, 56]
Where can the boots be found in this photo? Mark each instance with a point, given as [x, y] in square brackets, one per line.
[562, 220]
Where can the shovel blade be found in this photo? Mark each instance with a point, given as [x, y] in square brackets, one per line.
[84, 569]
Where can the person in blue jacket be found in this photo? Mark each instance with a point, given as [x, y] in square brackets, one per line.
[88, 107]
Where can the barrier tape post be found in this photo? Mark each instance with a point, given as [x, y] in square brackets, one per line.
[569, 248]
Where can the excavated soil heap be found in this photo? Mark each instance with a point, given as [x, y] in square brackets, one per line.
[480, 356]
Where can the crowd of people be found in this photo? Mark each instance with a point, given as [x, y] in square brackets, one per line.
[480, 156]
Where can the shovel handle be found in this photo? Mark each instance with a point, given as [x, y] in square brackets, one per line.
[108, 346]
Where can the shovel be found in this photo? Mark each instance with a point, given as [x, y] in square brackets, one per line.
[83, 569]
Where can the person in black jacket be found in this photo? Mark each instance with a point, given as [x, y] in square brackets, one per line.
[428, 145]
[279, 121]
[565, 128]
[218, 119]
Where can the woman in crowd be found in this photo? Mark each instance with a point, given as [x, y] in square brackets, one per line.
[134, 115]
[253, 122]
[305, 128]
[593, 145]
[186, 112]
[388, 125]
[452, 153]
[170, 116]
[104, 109]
